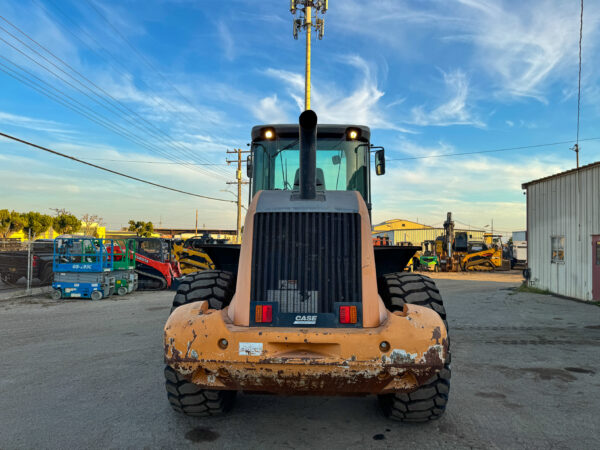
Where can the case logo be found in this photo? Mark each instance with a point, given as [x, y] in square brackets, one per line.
[305, 320]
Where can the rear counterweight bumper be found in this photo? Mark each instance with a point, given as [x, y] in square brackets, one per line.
[398, 356]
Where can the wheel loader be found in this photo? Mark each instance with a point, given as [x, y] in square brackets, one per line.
[310, 307]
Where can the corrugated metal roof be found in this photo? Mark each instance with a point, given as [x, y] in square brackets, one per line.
[582, 168]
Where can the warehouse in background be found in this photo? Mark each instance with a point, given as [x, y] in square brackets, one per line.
[563, 232]
[399, 231]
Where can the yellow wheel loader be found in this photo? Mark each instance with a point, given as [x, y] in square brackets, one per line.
[311, 307]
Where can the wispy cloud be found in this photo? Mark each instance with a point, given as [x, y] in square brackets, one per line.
[269, 110]
[360, 103]
[483, 188]
[526, 46]
[48, 126]
[520, 47]
[454, 111]
[227, 42]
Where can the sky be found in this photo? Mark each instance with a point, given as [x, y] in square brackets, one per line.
[173, 84]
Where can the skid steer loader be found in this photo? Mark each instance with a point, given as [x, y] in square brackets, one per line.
[312, 307]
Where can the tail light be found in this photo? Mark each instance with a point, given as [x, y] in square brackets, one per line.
[348, 314]
[35, 260]
[263, 314]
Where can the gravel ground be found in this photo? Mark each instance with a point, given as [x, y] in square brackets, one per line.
[89, 374]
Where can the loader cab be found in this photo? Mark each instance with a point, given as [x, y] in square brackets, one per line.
[343, 159]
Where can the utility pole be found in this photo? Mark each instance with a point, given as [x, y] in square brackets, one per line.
[239, 183]
[196, 232]
[309, 19]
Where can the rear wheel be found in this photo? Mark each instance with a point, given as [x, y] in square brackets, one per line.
[56, 294]
[217, 288]
[122, 290]
[46, 275]
[428, 402]
[96, 295]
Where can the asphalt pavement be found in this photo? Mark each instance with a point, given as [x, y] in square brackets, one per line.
[82, 374]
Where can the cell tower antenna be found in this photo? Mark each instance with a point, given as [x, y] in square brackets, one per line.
[310, 17]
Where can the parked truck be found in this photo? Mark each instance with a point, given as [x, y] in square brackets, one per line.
[14, 263]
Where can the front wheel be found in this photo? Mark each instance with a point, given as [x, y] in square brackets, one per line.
[427, 402]
[96, 295]
[56, 294]
[217, 288]
[122, 290]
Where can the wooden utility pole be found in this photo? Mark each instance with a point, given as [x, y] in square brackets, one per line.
[239, 183]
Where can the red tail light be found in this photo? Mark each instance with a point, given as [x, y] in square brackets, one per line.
[348, 314]
[263, 314]
[35, 260]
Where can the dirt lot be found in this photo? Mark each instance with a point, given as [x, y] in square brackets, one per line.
[89, 374]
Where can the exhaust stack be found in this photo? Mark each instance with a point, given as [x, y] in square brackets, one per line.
[308, 154]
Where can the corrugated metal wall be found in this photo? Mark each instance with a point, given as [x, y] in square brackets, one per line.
[569, 206]
[417, 237]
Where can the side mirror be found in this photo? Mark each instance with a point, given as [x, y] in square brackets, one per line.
[380, 162]
[249, 166]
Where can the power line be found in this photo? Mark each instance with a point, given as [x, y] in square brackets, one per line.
[576, 148]
[154, 162]
[71, 103]
[112, 108]
[142, 57]
[523, 147]
[112, 171]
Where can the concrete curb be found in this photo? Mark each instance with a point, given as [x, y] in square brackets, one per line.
[23, 293]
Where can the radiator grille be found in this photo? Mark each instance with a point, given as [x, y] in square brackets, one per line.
[305, 262]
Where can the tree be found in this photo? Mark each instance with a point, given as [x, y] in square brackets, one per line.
[66, 224]
[10, 222]
[143, 229]
[90, 224]
[36, 223]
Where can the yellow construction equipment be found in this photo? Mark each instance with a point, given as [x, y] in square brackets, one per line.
[191, 256]
[482, 257]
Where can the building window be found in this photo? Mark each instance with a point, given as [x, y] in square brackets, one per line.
[558, 248]
[598, 253]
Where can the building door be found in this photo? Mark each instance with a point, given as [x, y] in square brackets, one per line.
[596, 267]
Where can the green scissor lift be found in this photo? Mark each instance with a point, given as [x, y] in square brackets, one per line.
[126, 279]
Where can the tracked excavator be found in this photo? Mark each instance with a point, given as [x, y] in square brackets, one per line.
[308, 305]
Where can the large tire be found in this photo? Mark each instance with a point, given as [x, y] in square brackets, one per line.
[217, 288]
[214, 286]
[428, 402]
[192, 400]
[47, 275]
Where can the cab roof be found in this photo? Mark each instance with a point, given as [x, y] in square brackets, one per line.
[291, 130]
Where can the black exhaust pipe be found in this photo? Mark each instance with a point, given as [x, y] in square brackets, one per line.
[308, 155]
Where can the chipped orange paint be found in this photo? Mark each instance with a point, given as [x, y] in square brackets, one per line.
[305, 360]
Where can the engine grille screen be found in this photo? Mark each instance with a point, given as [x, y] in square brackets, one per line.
[304, 262]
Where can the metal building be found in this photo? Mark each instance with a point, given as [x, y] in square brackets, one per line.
[563, 232]
[418, 236]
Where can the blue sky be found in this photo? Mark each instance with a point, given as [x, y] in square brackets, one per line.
[429, 77]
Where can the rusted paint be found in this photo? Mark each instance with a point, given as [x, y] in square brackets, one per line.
[437, 334]
[306, 361]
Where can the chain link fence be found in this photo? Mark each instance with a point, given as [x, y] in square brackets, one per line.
[25, 266]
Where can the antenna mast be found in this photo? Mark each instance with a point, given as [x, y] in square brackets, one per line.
[309, 11]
